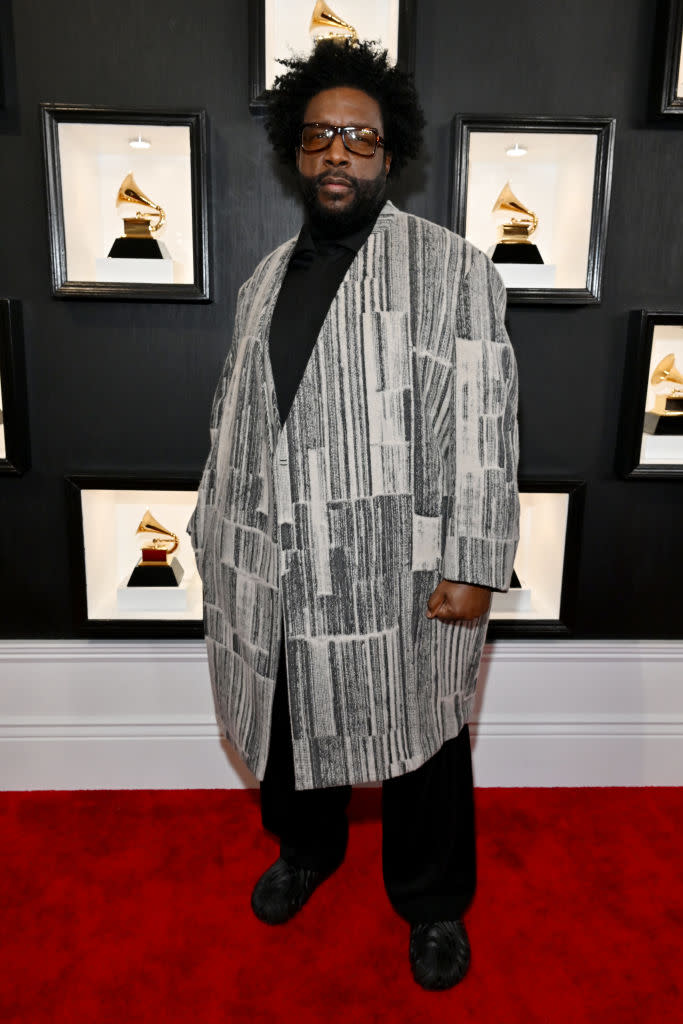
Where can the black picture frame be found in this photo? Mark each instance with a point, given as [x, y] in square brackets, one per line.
[670, 101]
[52, 115]
[604, 128]
[564, 625]
[642, 326]
[257, 48]
[120, 628]
[14, 426]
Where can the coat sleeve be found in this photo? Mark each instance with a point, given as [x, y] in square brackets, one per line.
[482, 508]
[206, 496]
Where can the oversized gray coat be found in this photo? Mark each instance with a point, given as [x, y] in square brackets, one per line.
[396, 467]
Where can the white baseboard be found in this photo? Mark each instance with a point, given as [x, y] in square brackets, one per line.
[139, 715]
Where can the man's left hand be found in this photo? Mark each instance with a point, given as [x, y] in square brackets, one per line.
[452, 602]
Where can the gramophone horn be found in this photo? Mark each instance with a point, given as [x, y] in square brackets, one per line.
[665, 370]
[325, 24]
[148, 524]
[130, 192]
[507, 200]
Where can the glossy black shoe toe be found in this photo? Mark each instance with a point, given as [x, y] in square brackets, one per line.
[439, 954]
[282, 890]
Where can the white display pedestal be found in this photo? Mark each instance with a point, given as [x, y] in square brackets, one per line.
[151, 599]
[517, 599]
[125, 271]
[661, 448]
[527, 275]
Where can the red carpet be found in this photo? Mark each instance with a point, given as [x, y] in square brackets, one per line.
[134, 906]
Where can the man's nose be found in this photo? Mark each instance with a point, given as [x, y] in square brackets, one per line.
[336, 153]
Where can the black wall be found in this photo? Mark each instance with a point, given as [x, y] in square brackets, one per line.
[119, 387]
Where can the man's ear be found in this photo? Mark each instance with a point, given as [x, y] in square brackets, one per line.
[297, 152]
[387, 162]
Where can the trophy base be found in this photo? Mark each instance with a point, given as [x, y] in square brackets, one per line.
[161, 574]
[135, 249]
[663, 426]
[516, 252]
[668, 404]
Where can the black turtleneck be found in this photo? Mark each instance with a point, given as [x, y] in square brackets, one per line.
[316, 268]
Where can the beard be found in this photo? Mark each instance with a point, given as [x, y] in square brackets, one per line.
[332, 222]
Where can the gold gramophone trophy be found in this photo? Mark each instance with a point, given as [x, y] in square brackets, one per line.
[325, 24]
[514, 243]
[154, 568]
[142, 219]
[667, 415]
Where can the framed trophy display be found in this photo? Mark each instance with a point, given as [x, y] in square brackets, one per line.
[542, 596]
[135, 571]
[652, 418]
[671, 75]
[288, 28]
[127, 203]
[14, 444]
[533, 193]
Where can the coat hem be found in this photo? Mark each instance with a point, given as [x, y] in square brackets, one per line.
[351, 760]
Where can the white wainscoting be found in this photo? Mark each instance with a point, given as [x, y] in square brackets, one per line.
[139, 715]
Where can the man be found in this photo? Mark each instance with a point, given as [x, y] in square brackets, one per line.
[358, 506]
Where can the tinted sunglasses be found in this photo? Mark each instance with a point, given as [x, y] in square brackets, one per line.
[361, 141]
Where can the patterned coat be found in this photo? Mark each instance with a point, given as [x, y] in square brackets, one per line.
[396, 467]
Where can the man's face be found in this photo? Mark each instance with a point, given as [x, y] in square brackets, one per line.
[343, 190]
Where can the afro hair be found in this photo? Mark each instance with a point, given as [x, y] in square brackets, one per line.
[335, 64]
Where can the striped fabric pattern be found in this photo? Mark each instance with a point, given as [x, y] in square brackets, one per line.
[396, 467]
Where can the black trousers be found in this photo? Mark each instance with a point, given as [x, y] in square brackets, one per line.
[428, 830]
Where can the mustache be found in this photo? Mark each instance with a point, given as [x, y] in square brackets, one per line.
[328, 177]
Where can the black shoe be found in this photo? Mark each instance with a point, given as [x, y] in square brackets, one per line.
[439, 953]
[282, 890]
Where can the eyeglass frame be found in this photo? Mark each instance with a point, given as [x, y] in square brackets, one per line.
[339, 130]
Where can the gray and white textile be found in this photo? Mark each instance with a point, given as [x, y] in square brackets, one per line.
[396, 467]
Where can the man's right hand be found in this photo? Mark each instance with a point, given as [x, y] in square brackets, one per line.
[456, 602]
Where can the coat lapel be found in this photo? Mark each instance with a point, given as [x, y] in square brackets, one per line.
[370, 294]
[271, 287]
